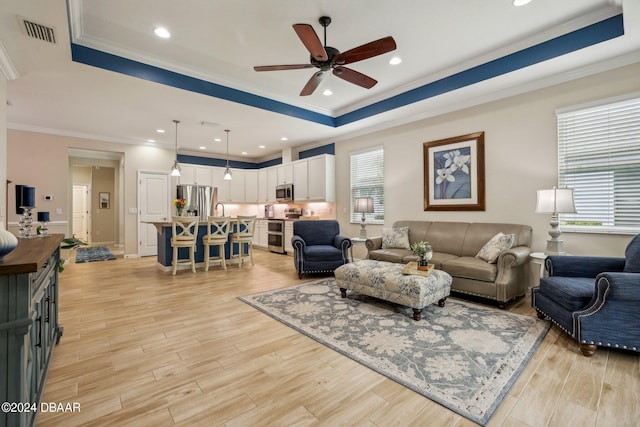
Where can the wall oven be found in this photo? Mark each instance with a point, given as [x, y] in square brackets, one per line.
[284, 193]
[275, 235]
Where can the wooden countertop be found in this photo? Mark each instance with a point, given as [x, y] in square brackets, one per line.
[30, 254]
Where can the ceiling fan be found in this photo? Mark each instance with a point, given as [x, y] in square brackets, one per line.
[329, 58]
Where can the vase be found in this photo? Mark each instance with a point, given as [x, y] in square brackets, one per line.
[179, 211]
[423, 264]
[8, 242]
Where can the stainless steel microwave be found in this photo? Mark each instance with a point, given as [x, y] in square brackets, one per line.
[284, 193]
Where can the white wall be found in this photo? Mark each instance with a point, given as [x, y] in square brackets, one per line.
[520, 158]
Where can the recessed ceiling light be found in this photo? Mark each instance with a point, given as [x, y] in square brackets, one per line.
[160, 130]
[151, 140]
[520, 2]
[162, 32]
[327, 92]
[216, 140]
[203, 148]
[284, 138]
[395, 60]
[262, 146]
[244, 153]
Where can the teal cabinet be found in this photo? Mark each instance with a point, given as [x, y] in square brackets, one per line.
[29, 327]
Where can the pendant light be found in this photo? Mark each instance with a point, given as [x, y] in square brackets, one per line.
[227, 171]
[175, 169]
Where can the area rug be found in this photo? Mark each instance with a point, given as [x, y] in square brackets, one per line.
[464, 356]
[95, 253]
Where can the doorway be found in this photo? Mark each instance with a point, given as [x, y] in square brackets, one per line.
[97, 197]
[80, 212]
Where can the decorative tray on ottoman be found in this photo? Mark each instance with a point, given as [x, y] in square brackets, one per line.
[412, 268]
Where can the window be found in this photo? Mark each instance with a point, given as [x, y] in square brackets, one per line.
[367, 180]
[599, 157]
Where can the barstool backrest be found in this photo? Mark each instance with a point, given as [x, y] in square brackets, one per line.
[184, 228]
[218, 226]
[246, 225]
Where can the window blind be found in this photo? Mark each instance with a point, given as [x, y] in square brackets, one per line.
[367, 180]
[599, 157]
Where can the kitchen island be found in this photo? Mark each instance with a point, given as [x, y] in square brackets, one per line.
[165, 250]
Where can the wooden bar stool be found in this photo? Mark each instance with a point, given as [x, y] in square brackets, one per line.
[217, 235]
[184, 232]
[244, 234]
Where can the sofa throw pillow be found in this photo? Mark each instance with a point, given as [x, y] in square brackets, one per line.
[494, 247]
[395, 238]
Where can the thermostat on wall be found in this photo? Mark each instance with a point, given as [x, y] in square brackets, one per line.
[48, 196]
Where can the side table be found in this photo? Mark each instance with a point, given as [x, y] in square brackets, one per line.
[355, 240]
[537, 258]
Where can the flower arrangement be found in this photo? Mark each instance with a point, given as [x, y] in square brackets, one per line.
[180, 203]
[423, 251]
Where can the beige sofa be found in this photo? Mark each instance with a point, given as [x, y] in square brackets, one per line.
[455, 245]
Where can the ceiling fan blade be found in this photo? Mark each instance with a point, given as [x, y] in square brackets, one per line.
[369, 50]
[313, 83]
[282, 67]
[354, 77]
[311, 41]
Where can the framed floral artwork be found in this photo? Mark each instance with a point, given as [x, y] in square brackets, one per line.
[454, 174]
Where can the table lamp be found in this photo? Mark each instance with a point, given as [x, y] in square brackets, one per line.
[554, 202]
[364, 205]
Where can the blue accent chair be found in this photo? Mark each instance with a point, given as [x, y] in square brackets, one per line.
[596, 300]
[318, 246]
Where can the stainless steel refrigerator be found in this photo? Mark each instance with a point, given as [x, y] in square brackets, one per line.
[201, 199]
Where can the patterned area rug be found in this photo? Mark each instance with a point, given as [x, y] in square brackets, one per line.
[91, 254]
[464, 356]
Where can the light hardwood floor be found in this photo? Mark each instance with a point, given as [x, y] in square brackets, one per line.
[144, 348]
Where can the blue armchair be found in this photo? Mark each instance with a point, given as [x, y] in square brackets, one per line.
[596, 300]
[318, 246]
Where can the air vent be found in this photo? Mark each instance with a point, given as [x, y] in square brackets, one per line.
[209, 124]
[38, 31]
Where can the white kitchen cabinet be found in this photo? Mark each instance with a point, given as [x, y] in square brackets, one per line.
[195, 175]
[288, 234]
[251, 186]
[301, 181]
[187, 174]
[314, 179]
[260, 237]
[285, 173]
[236, 186]
[272, 182]
[203, 175]
[263, 188]
[217, 179]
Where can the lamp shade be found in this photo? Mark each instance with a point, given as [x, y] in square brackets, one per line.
[555, 200]
[43, 216]
[28, 197]
[363, 205]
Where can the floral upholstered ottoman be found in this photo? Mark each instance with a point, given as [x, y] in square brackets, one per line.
[384, 280]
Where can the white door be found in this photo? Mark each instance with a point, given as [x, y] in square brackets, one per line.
[153, 206]
[80, 227]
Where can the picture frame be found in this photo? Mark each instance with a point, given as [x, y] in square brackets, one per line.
[454, 173]
[104, 200]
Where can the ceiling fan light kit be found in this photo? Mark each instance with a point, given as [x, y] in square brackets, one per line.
[329, 58]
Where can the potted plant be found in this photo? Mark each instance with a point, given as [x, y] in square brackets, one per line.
[69, 243]
[424, 253]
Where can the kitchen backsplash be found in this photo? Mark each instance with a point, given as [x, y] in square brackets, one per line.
[323, 210]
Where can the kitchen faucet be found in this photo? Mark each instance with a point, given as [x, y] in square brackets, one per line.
[216, 208]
